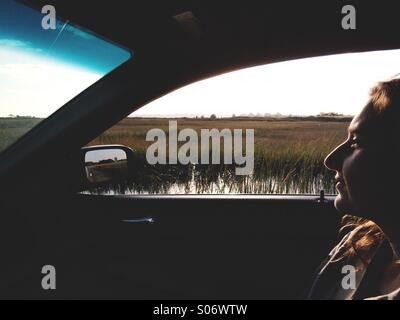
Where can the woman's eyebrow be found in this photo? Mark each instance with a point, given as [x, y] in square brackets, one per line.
[359, 127]
[361, 131]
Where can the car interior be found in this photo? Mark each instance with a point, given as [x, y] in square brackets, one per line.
[169, 246]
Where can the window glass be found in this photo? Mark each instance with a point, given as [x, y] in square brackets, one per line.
[297, 110]
[42, 69]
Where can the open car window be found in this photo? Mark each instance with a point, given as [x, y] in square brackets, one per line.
[42, 69]
[298, 111]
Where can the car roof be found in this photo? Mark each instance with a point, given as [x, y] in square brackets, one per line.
[231, 34]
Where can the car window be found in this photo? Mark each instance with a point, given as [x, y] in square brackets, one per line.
[295, 112]
[42, 68]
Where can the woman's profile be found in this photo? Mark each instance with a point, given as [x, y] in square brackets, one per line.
[366, 262]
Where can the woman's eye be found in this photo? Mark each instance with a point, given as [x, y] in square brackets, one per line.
[355, 144]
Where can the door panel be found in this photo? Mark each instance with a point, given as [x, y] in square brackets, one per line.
[198, 247]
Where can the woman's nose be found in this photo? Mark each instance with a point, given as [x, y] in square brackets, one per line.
[334, 160]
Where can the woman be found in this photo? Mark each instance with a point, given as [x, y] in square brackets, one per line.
[366, 262]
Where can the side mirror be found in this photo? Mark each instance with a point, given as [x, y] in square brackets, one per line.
[106, 164]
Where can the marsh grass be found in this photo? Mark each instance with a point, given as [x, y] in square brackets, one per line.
[11, 129]
[288, 158]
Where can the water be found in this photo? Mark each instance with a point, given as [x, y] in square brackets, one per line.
[216, 179]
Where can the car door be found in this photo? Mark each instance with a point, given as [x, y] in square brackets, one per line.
[194, 247]
[207, 247]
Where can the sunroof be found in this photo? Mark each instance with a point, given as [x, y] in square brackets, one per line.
[42, 69]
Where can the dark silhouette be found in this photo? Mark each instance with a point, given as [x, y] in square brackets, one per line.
[366, 263]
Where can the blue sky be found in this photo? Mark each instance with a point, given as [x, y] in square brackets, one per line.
[21, 27]
[41, 70]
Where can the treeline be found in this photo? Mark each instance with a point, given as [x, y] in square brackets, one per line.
[248, 118]
[11, 116]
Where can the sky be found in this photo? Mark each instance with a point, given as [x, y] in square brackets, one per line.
[41, 70]
[336, 83]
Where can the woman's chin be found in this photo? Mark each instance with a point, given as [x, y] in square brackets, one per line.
[341, 204]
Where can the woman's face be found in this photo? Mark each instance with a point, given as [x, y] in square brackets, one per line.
[365, 166]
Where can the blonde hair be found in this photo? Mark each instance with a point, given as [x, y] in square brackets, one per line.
[385, 94]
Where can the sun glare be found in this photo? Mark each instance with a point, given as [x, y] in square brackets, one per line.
[31, 85]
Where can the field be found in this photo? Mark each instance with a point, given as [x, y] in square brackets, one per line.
[13, 128]
[288, 157]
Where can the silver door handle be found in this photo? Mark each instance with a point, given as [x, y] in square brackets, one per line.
[139, 220]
